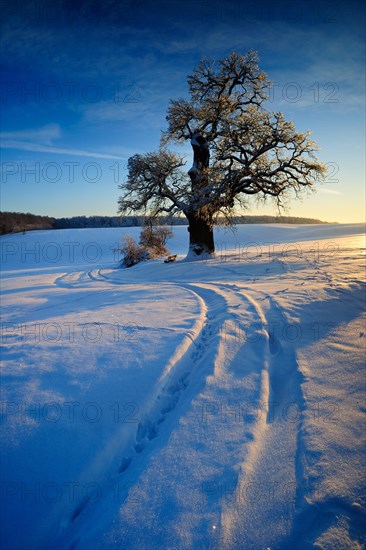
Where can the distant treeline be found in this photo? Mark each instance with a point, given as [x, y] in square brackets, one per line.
[13, 222]
[275, 219]
[98, 221]
[112, 221]
[137, 221]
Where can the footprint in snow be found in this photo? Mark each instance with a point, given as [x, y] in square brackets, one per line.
[139, 447]
[126, 461]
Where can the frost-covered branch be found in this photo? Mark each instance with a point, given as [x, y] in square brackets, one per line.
[155, 182]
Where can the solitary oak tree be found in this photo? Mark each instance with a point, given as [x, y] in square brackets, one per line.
[239, 149]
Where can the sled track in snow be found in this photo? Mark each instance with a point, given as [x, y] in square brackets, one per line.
[219, 302]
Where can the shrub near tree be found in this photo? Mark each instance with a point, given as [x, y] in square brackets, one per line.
[154, 239]
[132, 252]
[152, 244]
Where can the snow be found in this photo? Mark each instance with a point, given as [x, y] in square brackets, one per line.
[210, 404]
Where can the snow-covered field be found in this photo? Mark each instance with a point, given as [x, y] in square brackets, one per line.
[214, 404]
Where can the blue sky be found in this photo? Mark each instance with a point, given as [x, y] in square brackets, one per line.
[86, 84]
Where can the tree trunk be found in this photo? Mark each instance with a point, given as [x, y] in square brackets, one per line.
[201, 239]
[201, 159]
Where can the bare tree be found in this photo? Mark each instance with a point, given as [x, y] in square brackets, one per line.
[240, 149]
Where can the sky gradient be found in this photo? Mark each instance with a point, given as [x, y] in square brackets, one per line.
[86, 84]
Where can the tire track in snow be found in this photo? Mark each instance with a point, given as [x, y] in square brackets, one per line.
[216, 300]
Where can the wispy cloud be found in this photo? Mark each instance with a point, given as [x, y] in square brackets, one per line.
[40, 148]
[40, 140]
[45, 135]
